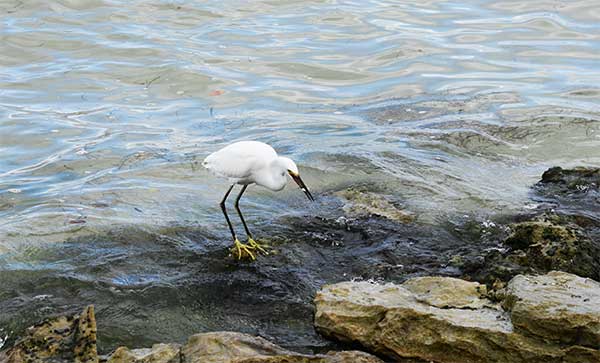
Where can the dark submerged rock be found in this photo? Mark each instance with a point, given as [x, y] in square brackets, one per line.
[578, 179]
[573, 192]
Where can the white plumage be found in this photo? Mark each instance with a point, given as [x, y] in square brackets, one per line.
[245, 163]
[237, 162]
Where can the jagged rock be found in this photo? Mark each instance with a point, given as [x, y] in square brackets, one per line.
[424, 319]
[561, 235]
[229, 347]
[63, 339]
[159, 353]
[363, 203]
[548, 242]
[550, 246]
[558, 306]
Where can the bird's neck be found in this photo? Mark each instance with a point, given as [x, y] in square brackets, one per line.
[271, 177]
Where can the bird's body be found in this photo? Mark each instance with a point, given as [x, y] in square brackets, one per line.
[249, 162]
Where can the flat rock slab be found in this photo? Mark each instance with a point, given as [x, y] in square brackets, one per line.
[438, 319]
[558, 306]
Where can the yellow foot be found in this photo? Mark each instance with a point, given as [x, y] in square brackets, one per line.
[242, 250]
[255, 246]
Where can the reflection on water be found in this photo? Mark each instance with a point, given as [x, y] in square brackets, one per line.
[107, 107]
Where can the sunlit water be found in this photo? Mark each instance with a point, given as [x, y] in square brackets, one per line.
[107, 109]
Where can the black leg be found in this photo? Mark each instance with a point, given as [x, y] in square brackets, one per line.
[237, 207]
[225, 211]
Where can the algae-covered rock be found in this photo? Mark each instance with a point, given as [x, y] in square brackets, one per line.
[414, 320]
[62, 339]
[558, 306]
[549, 246]
[544, 243]
[361, 203]
[230, 347]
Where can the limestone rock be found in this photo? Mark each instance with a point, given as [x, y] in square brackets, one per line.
[230, 347]
[62, 339]
[413, 320]
[558, 306]
[443, 292]
[159, 353]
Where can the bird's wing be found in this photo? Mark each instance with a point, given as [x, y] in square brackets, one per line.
[240, 159]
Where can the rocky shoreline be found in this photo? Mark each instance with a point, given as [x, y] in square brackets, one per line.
[73, 339]
[497, 296]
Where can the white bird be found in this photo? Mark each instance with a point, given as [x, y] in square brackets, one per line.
[249, 162]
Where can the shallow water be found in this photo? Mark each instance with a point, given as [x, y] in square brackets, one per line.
[108, 107]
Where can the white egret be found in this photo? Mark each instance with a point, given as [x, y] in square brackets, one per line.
[249, 162]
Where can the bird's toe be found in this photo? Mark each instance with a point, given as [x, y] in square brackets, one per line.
[257, 247]
[242, 250]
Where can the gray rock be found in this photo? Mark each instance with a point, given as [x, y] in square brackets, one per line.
[439, 319]
[558, 306]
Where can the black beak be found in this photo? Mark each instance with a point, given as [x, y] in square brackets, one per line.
[302, 186]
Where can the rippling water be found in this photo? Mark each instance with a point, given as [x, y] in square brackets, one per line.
[107, 107]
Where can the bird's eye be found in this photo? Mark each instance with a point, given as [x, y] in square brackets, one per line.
[282, 174]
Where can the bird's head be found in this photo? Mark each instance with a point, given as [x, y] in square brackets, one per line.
[292, 170]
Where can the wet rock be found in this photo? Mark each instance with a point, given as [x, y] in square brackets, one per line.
[546, 243]
[159, 353]
[361, 203]
[572, 192]
[62, 339]
[423, 318]
[557, 306]
[572, 180]
[229, 347]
